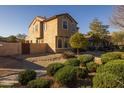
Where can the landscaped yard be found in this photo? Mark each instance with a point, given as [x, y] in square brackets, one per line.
[85, 70]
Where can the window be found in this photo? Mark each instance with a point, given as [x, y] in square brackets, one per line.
[64, 24]
[72, 27]
[66, 44]
[44, 27]
[36, 27]
[59, 43]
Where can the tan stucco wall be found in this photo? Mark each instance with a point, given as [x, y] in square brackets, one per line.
[64, 34]
[10, 49]
[51, 33]
[68, 32]
[38, 48]
[33, 35]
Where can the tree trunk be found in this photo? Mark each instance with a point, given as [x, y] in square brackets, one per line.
[77, 51]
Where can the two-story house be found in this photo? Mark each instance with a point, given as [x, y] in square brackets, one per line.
[55, 31]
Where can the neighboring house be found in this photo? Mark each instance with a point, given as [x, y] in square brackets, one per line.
[54, 31]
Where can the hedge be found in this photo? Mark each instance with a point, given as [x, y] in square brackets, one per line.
[73, 62]
[92, 66]
[85, 58]
[53, 68]
[39, 83]
[107, 80]
[111, 56]
[25, 76]
[66, 76]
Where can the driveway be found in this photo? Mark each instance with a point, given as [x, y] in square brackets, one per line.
[10, 67]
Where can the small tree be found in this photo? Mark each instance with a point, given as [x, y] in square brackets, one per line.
[78, 41]
[99, 34]
[11, 38]
[118, 37]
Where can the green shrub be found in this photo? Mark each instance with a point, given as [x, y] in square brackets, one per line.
[68, 54]
[85, 58]
[92, 66]
[110, 56]
[39, 83]
[122, 56]
[107, 80]
[115, 67]
[66, 76]
[52, 68]
[73, 62]
[81, 73]
[25, 76]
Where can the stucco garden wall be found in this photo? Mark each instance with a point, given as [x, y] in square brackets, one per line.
[38, 48]
[10, 48]
[7, 49]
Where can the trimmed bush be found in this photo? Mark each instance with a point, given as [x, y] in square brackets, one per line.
[39, 83]
[115, 67]
[85, 58]
[73, 62]
[25, 76]
[68, 54]
[107, 80]
[110, 56]
[66, 76]
[92, 66]
[81, 73]
[122, 56]
[52, 68]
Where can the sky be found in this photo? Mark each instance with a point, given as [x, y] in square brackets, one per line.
[16, 19]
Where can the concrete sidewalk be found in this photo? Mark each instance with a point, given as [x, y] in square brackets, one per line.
[13, 78]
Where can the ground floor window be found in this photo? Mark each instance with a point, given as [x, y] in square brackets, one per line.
[59, 43]
[65, 44]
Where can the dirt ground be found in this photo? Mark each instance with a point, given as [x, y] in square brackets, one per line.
[36, 62]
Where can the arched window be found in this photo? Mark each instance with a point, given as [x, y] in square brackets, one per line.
[59, 43]
[64, 24]
[65, 44]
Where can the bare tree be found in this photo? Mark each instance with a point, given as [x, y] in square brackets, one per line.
[117, 18]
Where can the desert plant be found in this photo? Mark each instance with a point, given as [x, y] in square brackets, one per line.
[68, 54]
[85, 58]
[73, 62]
[25, 76]
[66, 76]
[110, 56]
[92, 66]
[107, 80]
[52, 68]
[39, 83]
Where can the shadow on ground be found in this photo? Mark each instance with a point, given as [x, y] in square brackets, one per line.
[9, 62]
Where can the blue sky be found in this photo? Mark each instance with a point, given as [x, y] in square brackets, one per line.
[16, 19]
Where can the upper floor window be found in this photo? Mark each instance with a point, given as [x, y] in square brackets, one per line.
[35, 28]
[72, 27]
[44, 27]
[64, 24]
